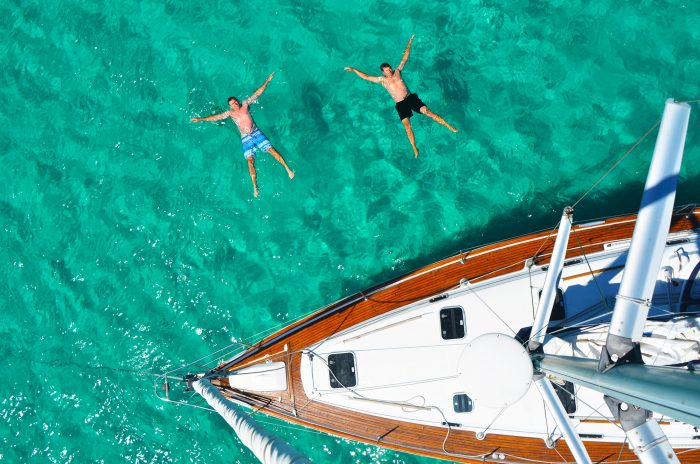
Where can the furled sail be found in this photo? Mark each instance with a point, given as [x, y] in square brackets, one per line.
[268, 448]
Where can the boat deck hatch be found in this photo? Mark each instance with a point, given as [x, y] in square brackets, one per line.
[566, 396]
[342, 370]
[452, 322]
[462, 403]
[558, 309]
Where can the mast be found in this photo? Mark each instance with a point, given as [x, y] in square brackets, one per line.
[539, 330]
[649, 237]
[621, 374]
[551, 281]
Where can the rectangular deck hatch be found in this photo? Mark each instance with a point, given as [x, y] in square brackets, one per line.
[462, 403]
[342, 370]
[452, 322]
[558, 308]
[567, 396]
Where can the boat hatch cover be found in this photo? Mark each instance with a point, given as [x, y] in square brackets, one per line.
[452, 322]
[558, 309]
[462, 403]
[567, 396]
[342, 370]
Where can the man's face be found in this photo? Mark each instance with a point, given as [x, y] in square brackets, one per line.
[387, 71]
[234, 104]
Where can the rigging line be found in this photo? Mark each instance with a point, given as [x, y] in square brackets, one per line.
[347, 312]
[590, 269]
[494, 420]
[203, 358]
[214, 363]
[299, 410]
[130, 371]
[544, 242]
[66, 364]
[546, 421]
[578, 325]
[409, 405]
[640, 140]
[662, 310]
[392, 385]
[550, 436]
[584, 322]
[597, 410]
[271, 330]
[532, 298]
[489, 308]
[190, 405]
[622, 448]
[554, 447]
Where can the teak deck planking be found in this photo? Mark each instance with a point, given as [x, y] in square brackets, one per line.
[478, 264]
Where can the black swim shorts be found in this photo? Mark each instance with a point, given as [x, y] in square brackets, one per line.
[411, 102]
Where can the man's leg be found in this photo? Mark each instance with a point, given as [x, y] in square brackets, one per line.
[253, 174]
[409, 131]
[275, 154]
[424, 110]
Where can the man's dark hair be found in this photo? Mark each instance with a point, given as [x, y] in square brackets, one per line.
[233, 98]
[384, 65]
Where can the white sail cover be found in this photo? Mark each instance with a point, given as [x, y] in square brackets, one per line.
[664, 343]
[268, 448]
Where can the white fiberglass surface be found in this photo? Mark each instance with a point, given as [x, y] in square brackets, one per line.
[405, 370]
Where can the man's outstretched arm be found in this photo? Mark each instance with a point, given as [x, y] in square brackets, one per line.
[213, 117]
[406, 52]
[363, 75]
[258, 92]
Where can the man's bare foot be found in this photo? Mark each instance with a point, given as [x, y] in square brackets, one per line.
[291, 174]
[452, 128]
[416, 153]
[255, 192]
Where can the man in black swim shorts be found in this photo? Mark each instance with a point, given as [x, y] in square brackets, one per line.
[406, 102]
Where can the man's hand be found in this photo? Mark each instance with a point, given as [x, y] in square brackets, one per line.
[195, 119]
[270, 77]
[348, 68]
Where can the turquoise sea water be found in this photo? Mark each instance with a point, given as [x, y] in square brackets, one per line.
[129, 237]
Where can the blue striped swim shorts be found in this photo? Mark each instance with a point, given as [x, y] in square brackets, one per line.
[256, 140]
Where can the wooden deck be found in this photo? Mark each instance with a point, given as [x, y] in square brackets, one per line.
[478, 264]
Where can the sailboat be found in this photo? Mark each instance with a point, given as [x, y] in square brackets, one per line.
[573, 344]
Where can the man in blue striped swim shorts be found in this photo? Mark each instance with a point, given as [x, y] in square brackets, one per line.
[252, 138]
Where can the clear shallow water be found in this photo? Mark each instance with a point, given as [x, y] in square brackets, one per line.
[130, 238]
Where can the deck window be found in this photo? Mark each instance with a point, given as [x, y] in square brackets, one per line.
[566, 396]
[462, 403]
[452, 322]
[558, 309]
[342, 370]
